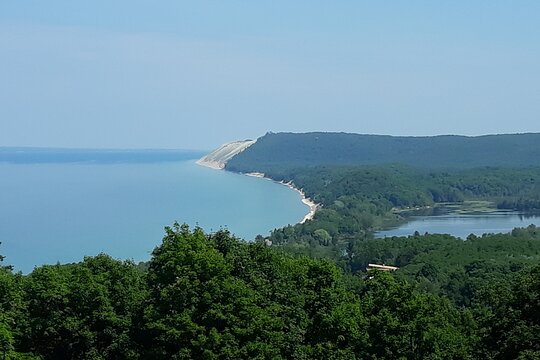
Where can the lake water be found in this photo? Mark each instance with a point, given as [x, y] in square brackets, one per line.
[463, 225]
[60, 212]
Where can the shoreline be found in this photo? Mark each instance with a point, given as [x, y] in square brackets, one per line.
[313, 206]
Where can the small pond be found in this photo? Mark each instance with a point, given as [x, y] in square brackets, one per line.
[459, 223]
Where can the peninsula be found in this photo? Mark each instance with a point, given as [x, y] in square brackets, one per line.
[277, 155]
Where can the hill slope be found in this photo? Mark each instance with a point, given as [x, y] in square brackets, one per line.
[448, 151]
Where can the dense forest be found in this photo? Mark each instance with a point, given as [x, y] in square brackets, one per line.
[212, 296]
[357, 200]
[311, 149]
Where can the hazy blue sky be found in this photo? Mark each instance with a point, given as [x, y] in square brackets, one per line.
[178, 74]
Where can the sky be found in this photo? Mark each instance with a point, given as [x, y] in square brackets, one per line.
[194, 74]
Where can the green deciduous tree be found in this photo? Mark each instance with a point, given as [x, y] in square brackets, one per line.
[83, 311]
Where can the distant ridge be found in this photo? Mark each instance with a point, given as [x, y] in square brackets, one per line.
[444, 151]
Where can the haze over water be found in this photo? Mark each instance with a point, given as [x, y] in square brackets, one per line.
[52, 212]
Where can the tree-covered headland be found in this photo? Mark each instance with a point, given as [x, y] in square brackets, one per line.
[366, 182]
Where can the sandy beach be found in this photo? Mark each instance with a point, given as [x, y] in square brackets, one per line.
[255, 174]
[312, 205]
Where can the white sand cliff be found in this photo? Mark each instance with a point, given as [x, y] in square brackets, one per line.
[218, 158]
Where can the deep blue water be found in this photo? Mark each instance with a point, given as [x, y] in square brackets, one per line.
[61, 211]
[463, 225]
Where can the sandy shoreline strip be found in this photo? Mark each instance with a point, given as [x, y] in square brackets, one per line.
[256, 174]
[313, 206]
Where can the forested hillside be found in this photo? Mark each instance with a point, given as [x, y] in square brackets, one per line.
[364, 183]
[358, 200]
[215, 297]
[308, 149]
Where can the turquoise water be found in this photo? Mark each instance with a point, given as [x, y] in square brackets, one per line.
[463, 225]
[60, 212]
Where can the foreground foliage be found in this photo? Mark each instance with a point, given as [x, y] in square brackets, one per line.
[216, 297]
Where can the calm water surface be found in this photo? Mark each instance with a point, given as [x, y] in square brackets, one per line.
[463, 225]
[60, 212]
